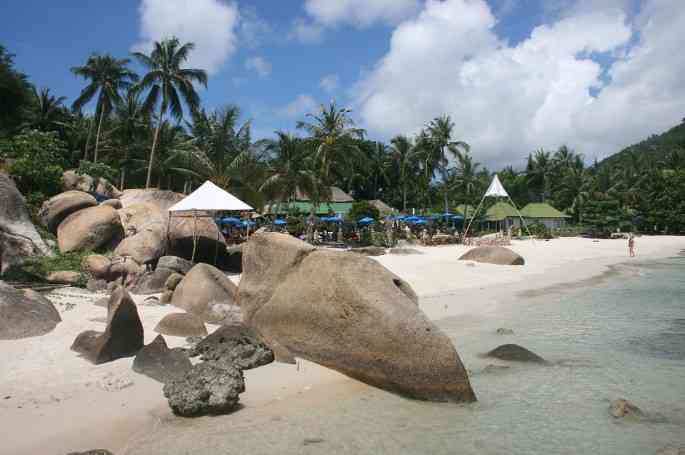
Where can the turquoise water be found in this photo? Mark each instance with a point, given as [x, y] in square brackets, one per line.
[621, 338]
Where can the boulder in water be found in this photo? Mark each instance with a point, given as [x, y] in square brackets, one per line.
[162, 364]
[515, 353]
[19, 238]
[623, 408]
[25, 313]
[349, 313]
[234, 345]
[58, 207]
[205, 389]
[89, 229]
[493, 255]
[123, 336]
[202, 288]
[181, 325]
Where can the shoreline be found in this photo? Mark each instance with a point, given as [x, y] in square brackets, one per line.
[74, 408]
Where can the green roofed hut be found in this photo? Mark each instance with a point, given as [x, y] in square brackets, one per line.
[540, 212]
[502, 216]
[340, 204]
[466, 210]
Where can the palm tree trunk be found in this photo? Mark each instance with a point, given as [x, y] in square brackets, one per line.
[97, 136]
[152, 152]
[404, 197]
[90, 133]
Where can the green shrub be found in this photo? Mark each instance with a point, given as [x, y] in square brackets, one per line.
[38, 268]
[363, 209]
[96, 170]
[540, 231]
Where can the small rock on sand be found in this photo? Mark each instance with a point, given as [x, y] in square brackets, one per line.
[515, 353]
[92, 452]
[623, 408]
[503, 331]
[160, 363]
[181, 325]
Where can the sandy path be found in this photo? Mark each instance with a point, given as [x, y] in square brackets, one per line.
[53, 402]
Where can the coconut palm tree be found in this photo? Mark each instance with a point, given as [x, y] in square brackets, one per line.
[168, 84]
[403, 155]
[539, 169]
[108, 76]
[440, 148]
[333, 134]
[132, 125]
[465, 179]
[45, 111]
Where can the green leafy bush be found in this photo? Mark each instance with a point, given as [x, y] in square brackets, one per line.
[363, 209]
[96, 170]
[540, 231]
[35, 160]
[39, 267]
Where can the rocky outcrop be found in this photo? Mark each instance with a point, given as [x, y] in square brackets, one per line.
[160, 363]
[89, 229]
[349, 313]
[71, 180]
[181, 325]
[623, 408]
[57, 208]
[123, 336]
[64, 277]
[515, 353]
[493, 255]
[234, 345]
[25, 313]
[205, 389]
[175, 263]
[202, 288]
[18, 236]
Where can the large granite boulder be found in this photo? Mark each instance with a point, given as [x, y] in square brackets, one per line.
[173, 281]
[89, 229]
[145, 232]
[181, 325]
[205, 389]
[152, 282]
[25, 313]
[97, 266]
[515, 353]
[18, 236]
[68, 277]
[57, 208]
[123, 336]
[175, 263]
[203, 287]
[493, 255]
[71, 180]
[349, 313]
[235, 345]
[160, 363]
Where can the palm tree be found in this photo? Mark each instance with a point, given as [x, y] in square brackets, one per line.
[46, 111]
[441, 147]
[132, 123]
[290, 169]
[334, 136]
[168, 84]
[403, 155]
[539, 168]
[108, 76]
[465, 177]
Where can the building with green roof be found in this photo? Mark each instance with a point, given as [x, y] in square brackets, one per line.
[540, 212]
[340, 204]
[502, 216]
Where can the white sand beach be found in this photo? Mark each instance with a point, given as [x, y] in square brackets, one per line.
[52, 401]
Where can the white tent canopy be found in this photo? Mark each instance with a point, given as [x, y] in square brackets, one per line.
[496, 189]
[209, 197]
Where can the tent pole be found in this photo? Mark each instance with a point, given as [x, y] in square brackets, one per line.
[192, 259]
[521, 217]
[168, 230]
[216, 246]
[466, 208]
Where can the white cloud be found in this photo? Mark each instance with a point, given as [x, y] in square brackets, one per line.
[507, 101]
[306, 31]
[360, 12]
[260, 65]
[301, 105]
[329, 83]
[210, 24]
[253, 30]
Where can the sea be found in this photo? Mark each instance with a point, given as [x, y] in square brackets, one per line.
[619, 336]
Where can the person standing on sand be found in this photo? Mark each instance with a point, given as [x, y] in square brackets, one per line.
[631, 246]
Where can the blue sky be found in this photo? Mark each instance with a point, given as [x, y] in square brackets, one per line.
[496, 67]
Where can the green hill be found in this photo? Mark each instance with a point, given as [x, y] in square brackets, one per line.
[657, 147]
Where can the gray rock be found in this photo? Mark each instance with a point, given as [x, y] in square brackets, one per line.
[503, 331]
[96, 285]
[58, 207]
[152, 282]
[369, 250]
[175, 263]
[25, 313]
[205, 389]
[493, 255]
[181, 325]
[234, 345]
[19, 238]
[160, 363]
[173, 281]
[64, 277]
[515, 353]
[123, 336]
[623, 408]
[166, 297]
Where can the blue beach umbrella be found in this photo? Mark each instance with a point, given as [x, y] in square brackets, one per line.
[366, 220]
[230, 220]
[280, 222]
[247, 223]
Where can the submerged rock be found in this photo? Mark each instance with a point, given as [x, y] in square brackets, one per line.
[181, 325]
[205, 389]
[493, 255]
[25, 313]
[160, 363]
[515, 353]
[623, 408]
[349, 313]
[234, 345]
[123, 336]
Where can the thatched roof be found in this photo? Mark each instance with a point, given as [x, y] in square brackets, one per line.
[337, 195]
[542, 210]
[500, 211]
[382, 207]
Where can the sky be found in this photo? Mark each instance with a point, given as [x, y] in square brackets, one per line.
[514, 75]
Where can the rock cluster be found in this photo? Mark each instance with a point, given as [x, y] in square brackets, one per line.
[347, 312]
